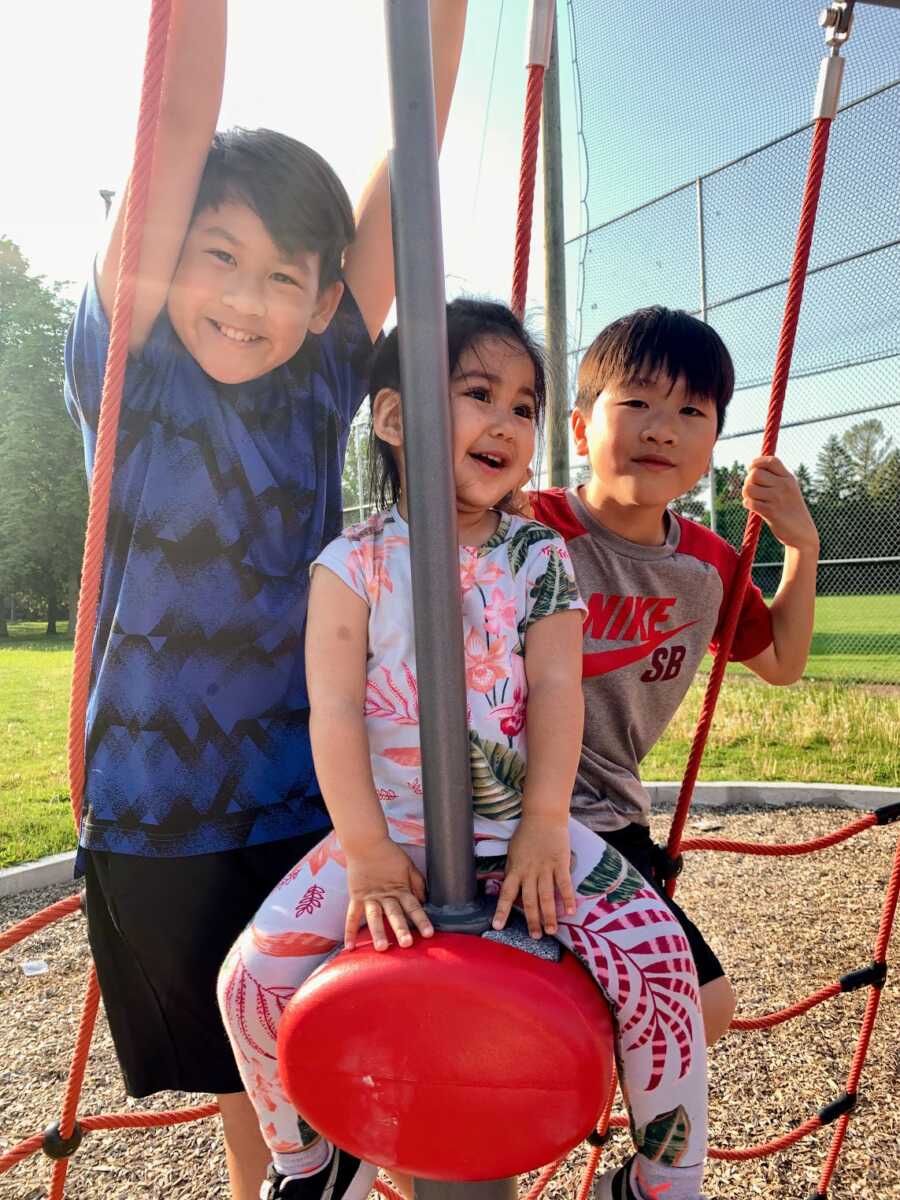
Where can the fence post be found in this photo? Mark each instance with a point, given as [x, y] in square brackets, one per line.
[555, 278]
[701, 249]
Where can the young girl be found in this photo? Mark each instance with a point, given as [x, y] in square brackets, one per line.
[522, 627]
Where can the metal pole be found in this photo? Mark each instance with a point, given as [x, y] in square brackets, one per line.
[431, 498]
[431, 495]
[555, 278]
[701, 247]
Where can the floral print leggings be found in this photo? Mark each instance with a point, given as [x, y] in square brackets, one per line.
[621, 930]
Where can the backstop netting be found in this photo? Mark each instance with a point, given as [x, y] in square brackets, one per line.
[667, 94]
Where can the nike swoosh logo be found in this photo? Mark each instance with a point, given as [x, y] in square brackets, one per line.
[604, 661]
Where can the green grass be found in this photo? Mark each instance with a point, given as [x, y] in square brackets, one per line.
[35, 817]
[812, 732]
[829, 731]
[856, 639]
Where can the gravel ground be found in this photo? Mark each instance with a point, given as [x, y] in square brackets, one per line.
[783, 928]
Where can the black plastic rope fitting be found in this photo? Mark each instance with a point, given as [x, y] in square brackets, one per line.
[838, 1108]
[664, 866]
[56, 1146]
[873, 975]
[599, 1140]
[888, 813]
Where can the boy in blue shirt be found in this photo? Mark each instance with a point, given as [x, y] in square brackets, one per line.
[248, 360]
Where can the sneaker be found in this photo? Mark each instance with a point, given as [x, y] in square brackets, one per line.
[344, 1178]
[615, 1184]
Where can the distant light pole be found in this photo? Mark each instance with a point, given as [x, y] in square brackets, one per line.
[107, 197]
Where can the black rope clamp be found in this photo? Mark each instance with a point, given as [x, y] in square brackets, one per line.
[664, 866]
[844, 1104]
[888, 813]
[818, 1196]
[597, 1139]
[873, 975]
[56, 1146]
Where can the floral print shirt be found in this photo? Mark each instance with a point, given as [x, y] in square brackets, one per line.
[521, 574]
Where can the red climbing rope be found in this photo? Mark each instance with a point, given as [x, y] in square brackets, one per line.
[770, 1020]
[113, 381]
[888, 913]
[35, 923]
[92, 566]
[531, 131]
[788, 848]
[797, 280]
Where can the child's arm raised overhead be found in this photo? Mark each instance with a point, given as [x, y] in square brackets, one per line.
[192, 94]
[369, 261]
[383, 881]
[772, 491]
[538, 863]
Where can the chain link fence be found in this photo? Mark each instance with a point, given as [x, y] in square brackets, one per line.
[667, 95]
[720, 246]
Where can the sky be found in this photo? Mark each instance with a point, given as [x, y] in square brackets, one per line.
[654, 116]
[314, 70]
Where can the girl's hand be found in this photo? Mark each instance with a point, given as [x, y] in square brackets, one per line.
[384, 882]
[537, 865]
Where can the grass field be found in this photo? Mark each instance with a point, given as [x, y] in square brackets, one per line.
[856, 639]
[825, 730]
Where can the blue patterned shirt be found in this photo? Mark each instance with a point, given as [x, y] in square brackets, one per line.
[222, 495]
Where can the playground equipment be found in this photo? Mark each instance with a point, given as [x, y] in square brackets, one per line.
[450, 868]
[535, 1028]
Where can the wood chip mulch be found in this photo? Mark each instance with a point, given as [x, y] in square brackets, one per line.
[783, 928]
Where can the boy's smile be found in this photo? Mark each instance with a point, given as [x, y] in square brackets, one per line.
[648, 441]
[239, 305]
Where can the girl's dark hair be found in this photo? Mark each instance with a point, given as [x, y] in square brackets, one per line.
[653, 340]
[291, 188]
[468, 321]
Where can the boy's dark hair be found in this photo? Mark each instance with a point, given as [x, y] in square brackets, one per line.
[291, 188]
[467, 321]
[653, 340]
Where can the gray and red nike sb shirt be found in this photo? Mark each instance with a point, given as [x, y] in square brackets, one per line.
[652, 611]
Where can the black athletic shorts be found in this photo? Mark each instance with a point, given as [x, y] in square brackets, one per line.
[634, 843]
[159, 929]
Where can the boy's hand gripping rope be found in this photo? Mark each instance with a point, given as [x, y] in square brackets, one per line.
[61, 1139]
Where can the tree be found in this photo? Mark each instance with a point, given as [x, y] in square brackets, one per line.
[805, 483]
[692, 504]
[730, 481]
[355, 481]
[835, 477]
[867, 448]
[884, 485]
[43, 496]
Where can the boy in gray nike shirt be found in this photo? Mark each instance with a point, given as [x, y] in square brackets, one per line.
[652, 392]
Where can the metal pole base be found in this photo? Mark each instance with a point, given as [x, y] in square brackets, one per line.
[486, 1189]
[472, 918]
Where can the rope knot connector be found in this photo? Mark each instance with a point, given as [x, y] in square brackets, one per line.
[56, 1146]
[597, 1139]
[845, 1103]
